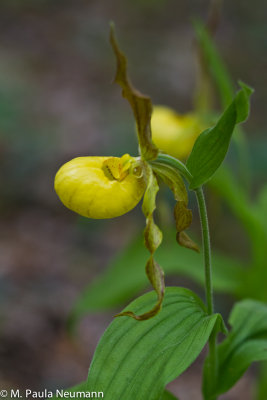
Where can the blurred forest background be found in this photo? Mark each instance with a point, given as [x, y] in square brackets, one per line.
[56, 103]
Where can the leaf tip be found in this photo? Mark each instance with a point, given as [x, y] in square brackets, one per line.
[143, 317]
[185, 241]
[127, 314]
[248, 89]
[112, 25]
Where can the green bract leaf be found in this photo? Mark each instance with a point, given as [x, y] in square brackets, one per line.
[246, 343]
[211, 146]
[141, 105]
[136, 360]
[125, 276]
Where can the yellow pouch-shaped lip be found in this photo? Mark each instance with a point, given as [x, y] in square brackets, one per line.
[173, 133]
[99, 187]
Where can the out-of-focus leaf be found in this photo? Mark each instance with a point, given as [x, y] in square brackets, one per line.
[228, 188]
[246, 343]
[217, 71]
[136, 360]
[226, 185]
[261, 207]
[262, 382]
[211, 146]
[80, 387]
[141, 105]
[214, 63]
[253, 282]
[125, 276]
[168, 396]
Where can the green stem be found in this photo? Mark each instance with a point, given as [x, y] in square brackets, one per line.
[213, 363]
[165, 159]
[206, 247]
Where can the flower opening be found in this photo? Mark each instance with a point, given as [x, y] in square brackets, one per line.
[100, 187]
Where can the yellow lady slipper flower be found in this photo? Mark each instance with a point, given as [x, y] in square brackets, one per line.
[173, 133]
[100, 187]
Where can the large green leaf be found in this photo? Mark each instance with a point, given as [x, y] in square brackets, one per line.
[135, 360]
[246, 343]
[211, 146]
[125, 277]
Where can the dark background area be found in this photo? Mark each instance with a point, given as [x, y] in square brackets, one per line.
[56, 103]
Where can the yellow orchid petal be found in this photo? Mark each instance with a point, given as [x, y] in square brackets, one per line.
[173, 133]
[100, 187]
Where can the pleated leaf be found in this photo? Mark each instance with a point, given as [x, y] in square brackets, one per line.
[136, 360]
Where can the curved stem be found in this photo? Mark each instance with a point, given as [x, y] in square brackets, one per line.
[213, 363]
[173, 162]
